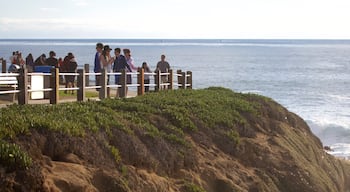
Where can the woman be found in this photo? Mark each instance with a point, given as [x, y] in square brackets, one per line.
[106, 59]
[30, 63]
[106, 63]
[147, 76]
[130, 62]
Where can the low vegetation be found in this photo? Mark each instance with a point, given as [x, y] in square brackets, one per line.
[181, 111]
[185, 140]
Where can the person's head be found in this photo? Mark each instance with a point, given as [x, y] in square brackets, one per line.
[52, 54]
[162, 57]
[144, 65]
[70, 55]
[117, 51]
[99, 47]
[127, 52]
[106, 50]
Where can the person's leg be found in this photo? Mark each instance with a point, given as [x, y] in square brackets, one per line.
[146, 85]
[97, 80]
[117, 83]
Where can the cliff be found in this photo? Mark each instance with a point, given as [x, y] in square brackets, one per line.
[184, 140]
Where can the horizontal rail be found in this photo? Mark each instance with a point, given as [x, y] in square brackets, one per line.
[179, 80]
[9, 92]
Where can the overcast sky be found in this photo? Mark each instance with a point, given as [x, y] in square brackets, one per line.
[218, 19]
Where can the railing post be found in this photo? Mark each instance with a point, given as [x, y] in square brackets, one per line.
[157, 80]
[87, 77]
[3, 65]
[179, 72]
[189, 80]
[122, 82]
[103, 83]
[55, 86]
[23, 86]
[140, 81]
[81, 85]
[170, 80]
[183, 80]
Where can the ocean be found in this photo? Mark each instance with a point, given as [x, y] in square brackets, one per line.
[309, 77]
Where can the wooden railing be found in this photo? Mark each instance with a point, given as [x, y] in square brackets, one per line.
[180, 79]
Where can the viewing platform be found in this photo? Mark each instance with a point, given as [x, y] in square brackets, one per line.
[24, 88]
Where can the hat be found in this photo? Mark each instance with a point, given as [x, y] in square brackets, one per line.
[106, 48]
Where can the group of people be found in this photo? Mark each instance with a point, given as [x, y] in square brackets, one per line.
[119, 62]
[66, 65]
[103, 60]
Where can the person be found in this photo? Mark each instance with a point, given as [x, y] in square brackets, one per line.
[164, 67]
[72, 67]
[13, 58]
[64, 69]
[97, 64]
[19, 59]
[30, 63]
[130, 62]
[106, 62]
[118, 65]
[52, 61]
[147, 76]
[60, 67]
[106, 59]
[41, 60]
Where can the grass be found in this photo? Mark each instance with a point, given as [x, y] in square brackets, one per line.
[12, 157]
[168, 115]
[88, 94]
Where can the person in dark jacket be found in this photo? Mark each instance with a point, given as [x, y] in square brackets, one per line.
[52, 61]
[71, 68]
[119, 64]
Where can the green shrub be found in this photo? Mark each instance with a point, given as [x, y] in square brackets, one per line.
[191, 187]
[12, 157]
[179, 112]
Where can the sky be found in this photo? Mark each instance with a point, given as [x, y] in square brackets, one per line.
[178, 19]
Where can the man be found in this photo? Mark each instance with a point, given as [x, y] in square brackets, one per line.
[97, 63]
[164, 67]
[52, 61]
[119, 64]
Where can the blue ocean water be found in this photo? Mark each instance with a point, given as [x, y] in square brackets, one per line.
[309, 77]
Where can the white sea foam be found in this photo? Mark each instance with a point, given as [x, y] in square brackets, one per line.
[341, 150]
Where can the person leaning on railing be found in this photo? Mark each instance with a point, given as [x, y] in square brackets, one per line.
[164, 67]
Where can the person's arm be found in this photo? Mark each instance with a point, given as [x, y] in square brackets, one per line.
[126, 64]
[97, 64]
[131, 64]
[103, 61]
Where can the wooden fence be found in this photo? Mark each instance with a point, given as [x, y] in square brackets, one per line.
[180, 79]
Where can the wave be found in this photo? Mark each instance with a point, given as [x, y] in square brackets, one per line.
[336, 136]
[341, 150]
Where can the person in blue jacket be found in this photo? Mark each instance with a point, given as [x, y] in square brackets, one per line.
[97, 63]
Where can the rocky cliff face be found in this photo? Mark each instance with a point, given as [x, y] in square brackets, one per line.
[185, 140]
